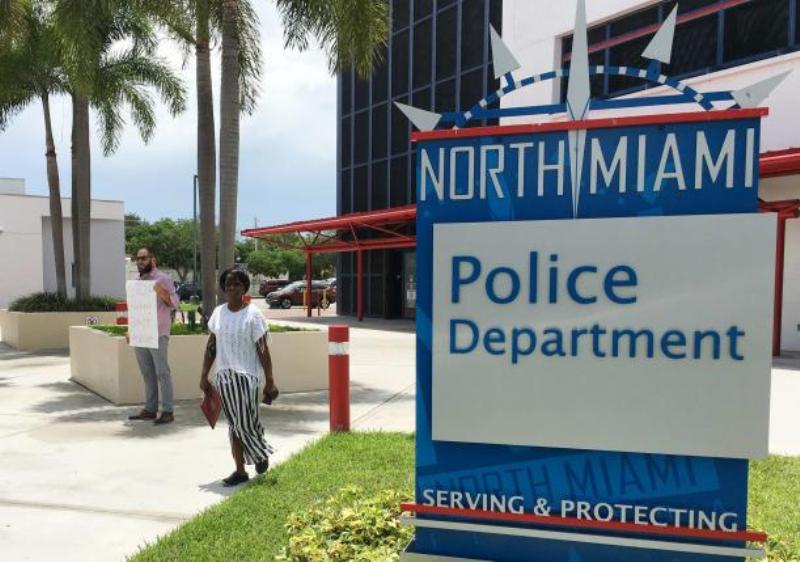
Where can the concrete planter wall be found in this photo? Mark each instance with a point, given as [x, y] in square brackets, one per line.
[30, 331]
[107, 365]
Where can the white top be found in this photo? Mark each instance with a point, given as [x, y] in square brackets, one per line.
[237, 334]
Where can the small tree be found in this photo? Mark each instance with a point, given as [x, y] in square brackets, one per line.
[170, 240]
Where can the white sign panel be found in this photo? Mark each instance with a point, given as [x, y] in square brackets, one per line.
[647, 335]
[142, 313]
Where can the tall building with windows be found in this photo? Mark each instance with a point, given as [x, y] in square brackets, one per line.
[437, 58]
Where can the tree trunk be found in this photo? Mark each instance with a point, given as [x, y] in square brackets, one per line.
[56, 217]
[229, 132]
[206, 160]
[81, 194]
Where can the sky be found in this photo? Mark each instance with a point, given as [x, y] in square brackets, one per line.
[287, 165]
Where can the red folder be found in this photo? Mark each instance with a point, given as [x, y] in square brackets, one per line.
[211, 406]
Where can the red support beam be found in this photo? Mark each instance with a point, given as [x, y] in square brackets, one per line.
[777, 317]
[360, 285]
[309, 265]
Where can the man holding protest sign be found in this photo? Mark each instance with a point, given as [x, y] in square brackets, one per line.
[149, 327]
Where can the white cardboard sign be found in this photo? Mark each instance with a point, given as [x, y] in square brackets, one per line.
[646, 335]
[142, 313]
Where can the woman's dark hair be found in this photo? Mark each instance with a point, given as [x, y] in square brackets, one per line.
[242, 276]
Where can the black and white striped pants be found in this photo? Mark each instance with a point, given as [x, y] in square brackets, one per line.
[240, 399]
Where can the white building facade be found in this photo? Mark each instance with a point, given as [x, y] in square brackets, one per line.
[719, 45]
[26, 245]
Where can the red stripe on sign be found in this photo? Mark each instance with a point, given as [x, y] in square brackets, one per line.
[558, 521]
[663, 119]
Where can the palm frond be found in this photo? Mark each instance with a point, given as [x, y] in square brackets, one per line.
[351, 32]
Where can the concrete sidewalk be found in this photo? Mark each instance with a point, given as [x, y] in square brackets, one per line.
[75, 471]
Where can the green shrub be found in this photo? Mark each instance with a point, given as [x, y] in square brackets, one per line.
[348, 526]
[52, 302]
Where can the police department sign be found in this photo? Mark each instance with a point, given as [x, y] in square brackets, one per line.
[594, 305]
[630, 334]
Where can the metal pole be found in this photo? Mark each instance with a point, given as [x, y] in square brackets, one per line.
[309, 268]
[360, 286]
[194, 234]
[777, 318]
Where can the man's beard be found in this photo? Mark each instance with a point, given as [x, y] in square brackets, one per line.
[145, 268]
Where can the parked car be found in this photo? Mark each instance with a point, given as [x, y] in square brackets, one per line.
[292, 295]
[186, 290]
[268, 286]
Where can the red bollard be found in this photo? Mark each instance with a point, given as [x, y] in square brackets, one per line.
[122, 313]
[339, 377]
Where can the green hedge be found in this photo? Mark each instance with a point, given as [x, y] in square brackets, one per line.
[52, 302]
[179, 329]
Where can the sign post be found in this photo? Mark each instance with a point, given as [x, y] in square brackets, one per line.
[594, 317]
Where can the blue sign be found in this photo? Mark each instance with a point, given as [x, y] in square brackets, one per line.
[651, 170]
[513, 498]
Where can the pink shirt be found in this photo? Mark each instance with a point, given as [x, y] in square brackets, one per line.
[164, 310]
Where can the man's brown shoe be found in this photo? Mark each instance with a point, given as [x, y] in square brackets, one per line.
[143, 415]
[165, 417]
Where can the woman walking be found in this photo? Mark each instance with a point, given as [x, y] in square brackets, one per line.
[239, 343]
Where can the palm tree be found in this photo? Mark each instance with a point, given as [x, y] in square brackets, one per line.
[207, 20]
[352, 32]
[31, 70]
[106, 76]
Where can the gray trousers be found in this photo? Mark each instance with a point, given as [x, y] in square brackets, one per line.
[155, 372]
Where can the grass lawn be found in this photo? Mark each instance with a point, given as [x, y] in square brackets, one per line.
[250, 525]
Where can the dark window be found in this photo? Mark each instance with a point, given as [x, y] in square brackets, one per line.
[627, 54]
[596, 34]
[398, 186]
[445, 96]
[632, 22]
[360, 189]
[422, 8]
[400, 130]
[471, 90]
[346, 200]
[379, 130]
[347, 88]
[422, 53]
[376, 297]
[446, 43]
[496, 15]
[756, 28]
[472, 33]
[346, 142]
[597, 81]
[566, 45]
[375, 262]
[421, 98]
[399, 14]
[400, 64]
[361, 137]
[380, 82]
[362, 93]
[695, 47]
[444, 3]
[379, 196]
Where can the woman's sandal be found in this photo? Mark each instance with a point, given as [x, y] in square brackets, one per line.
[262, 466]
[235, 479]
